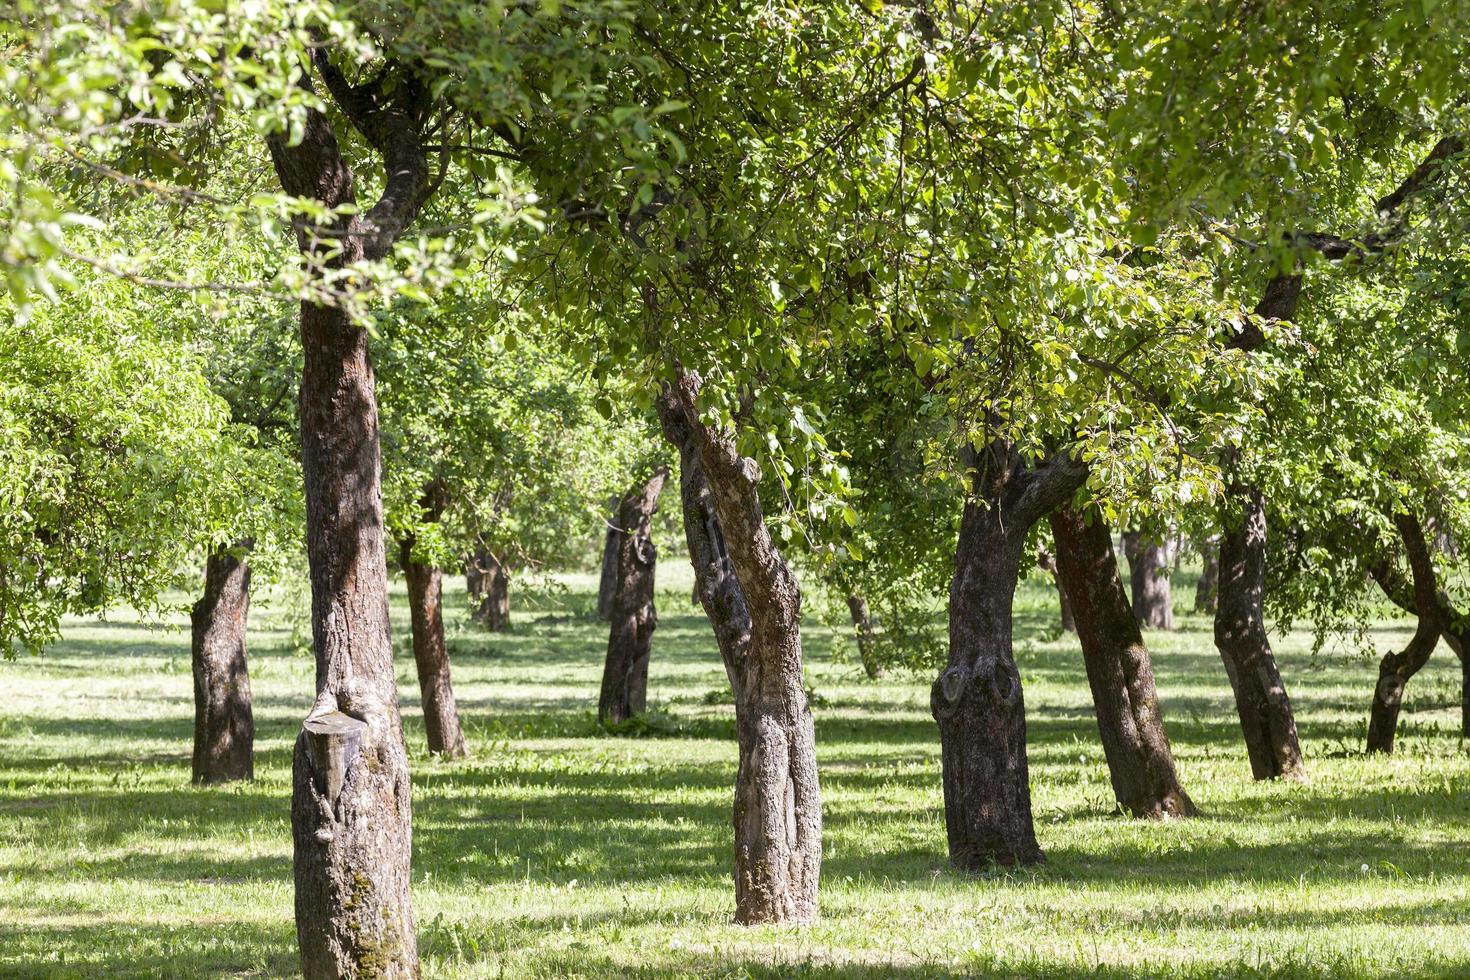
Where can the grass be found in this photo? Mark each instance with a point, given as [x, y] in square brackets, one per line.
[557, 850]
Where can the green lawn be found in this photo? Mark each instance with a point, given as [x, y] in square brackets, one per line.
[559, 851]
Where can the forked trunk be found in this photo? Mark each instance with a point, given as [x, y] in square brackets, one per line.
[1148, 566]
[350, 809]
[632, 614]
[862, 625]
[1266, 718]
[1396, 669]
[224, 725]
[977, 700]
[751, 598]
[1207, 588]
[1119, 671]
[431, 654]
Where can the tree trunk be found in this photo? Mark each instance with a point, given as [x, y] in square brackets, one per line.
[224, 724]
[1456, 628]
[607, 585]
[1396, 669]
[1119, 671]
[350, 806]
[752, 601]
[632, 613]
[430, 654]
[1148, 565]
[977, 700]
[1207, 588]
[492, 587]
[862, 625]
[1048, 564]
[1265, 712]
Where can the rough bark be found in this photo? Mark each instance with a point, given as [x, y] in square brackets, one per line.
[1261, 701]
[1119, 671]
[431, 654]
[224, 724]
[1206, 590]
[752, 601]
[862, 625]
[489, 581]
[977, 700]
[350, 809]
[607, 584]
[1395, 670]
[632, 613]
[1048, 564]
[1148, 569]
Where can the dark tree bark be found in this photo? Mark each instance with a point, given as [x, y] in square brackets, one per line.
[350, 809]
[224, 724]
[752, 601]
[431, 654]
[977, 700]
[489, 581]
[1119, 670]
[1048, 564]
[1261, 700]
[632, 614]
[1148, 568]
[1206, 590]
[1429, 604]
[612, 544]
[862, 624]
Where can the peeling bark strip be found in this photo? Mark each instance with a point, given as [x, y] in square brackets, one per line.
[352, 847]
[430, 653]
[977, 699]
[1119, 670]
[1148, 568]
[1265, 712]
[224, 725]
[752, 601]
[1395, 670]
[632, 614]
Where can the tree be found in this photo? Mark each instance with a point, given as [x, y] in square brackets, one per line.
[633, 617]
[1148, 565]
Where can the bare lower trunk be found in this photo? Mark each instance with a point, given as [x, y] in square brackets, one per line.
[1396, 669]
[224, 724]
[1148, 565]
[431, 655]
[608, 582]
[1119, 671]
[977, 700]
[1048, 564]
[632, 613]
[862, 624]
[752, 601]
[1207, 588]
[350, 807]
[492, 587]
[1266, 718]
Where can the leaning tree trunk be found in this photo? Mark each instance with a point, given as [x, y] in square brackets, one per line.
[224, 725]
[1119, 671]
[977, 700]
[752, 601]
[607, 583]
[1148, 566]
[492, 586]
[1455, 627]
[1266, 717]
[431, 654]
[1396, 669]
[1207, 588]
[862, 624]
[632, 613]
[350, 807]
